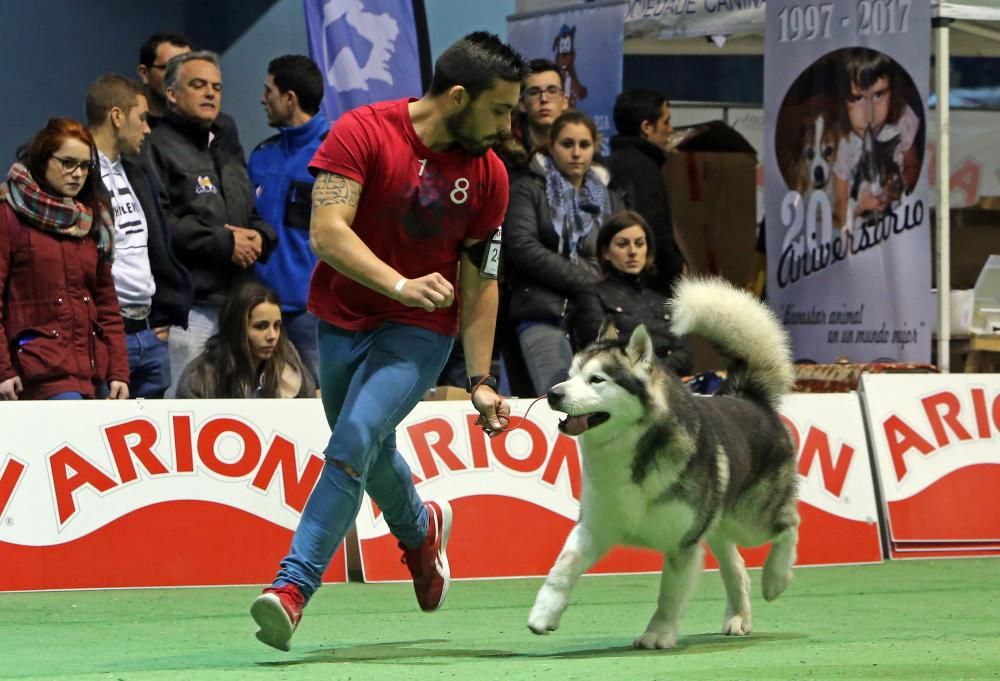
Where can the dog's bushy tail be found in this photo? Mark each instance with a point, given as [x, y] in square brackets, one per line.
[742, 329]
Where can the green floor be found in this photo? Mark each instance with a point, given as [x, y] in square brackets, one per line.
[901, 620]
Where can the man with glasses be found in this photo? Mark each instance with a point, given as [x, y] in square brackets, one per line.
[154, 289]
[542, 100]
[215, 228]
[154, 54]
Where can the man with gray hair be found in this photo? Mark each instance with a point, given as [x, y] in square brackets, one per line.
[216, 230]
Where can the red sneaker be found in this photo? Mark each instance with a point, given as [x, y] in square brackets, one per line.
[429, 563]
[277, 612]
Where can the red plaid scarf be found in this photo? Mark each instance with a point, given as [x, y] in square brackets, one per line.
[57, 214]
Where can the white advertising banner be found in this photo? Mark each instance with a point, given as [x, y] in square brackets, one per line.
[848, 240]
[666, 19]
[182, 492]
[99, 494]
[936, 441]
[516, 497]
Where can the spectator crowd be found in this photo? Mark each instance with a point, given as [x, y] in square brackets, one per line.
[142, 254]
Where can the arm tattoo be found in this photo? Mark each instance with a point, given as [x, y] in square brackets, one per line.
[331, 189]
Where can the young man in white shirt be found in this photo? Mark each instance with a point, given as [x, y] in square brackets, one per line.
[154, 289]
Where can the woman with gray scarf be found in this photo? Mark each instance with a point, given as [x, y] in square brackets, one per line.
[550, 235]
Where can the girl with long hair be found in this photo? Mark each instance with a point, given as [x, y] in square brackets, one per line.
[62, 335]
[250, 356]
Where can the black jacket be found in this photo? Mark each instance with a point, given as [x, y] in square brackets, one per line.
[627, 301]
[226, 134]
[174, 292]
[206, 188]
[541, 280]
[637, 168]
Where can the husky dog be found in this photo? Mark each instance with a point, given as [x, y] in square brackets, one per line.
[666, 469]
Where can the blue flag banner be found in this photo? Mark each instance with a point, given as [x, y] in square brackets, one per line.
[367, 50]
[587, 46]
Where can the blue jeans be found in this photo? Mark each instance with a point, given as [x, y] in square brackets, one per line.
[148, 364]
[301, 329]
[370, 381]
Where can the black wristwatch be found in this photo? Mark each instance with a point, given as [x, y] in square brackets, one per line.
[474, 381]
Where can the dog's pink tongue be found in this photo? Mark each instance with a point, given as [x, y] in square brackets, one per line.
[575, 425]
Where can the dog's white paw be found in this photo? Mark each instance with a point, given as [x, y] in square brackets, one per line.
[737, 625]
[774, 582]
[653, 640]
[541, 622]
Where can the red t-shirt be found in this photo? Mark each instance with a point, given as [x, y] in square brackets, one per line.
[416, 208]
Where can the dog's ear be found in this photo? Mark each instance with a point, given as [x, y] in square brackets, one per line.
[640, 348]
[608, 330]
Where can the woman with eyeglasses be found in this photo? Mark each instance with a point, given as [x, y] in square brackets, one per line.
[550, 234]
[623, 299]
[250, 356]
[61, 335]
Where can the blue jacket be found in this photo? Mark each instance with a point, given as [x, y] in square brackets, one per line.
[279, 173]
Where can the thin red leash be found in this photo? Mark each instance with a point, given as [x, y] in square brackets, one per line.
[509, 428]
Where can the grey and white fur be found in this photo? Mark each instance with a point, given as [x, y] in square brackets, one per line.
[668, 470]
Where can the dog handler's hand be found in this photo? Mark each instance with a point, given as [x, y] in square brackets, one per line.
[494, 411]
[430, 292]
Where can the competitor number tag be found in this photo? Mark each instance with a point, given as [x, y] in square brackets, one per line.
[490, 267]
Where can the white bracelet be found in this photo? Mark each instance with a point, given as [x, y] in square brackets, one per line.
[398, 288]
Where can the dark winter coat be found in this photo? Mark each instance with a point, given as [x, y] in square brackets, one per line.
[627, 301]
[542, 282]
[174, 292]
[206, 188]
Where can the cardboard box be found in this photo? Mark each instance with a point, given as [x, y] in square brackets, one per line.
[989, 202]
[713, 200]
[446, 392]
[975, 234]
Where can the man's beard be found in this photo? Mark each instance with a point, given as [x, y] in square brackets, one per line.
[473, 146]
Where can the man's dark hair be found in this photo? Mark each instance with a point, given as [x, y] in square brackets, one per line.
[299, 74]
[147, 52]
[541, 66]
[636, 106]
[476, 62]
